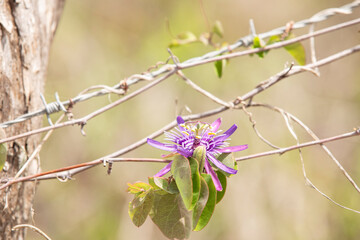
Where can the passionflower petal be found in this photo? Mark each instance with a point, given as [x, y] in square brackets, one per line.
[180, 121]
[184, 152]
[164, 171]
[162, 146]
[220, 165]
[213, 175]
[215, 125]
[227, 134]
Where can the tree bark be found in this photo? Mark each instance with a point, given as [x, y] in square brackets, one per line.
[27, 28]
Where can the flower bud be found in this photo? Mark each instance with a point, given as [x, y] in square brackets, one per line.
[200, 155]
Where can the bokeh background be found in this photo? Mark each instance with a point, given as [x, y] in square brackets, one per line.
[103, 42]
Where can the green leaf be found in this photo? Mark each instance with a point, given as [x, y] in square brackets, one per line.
[257, 43]
[200, 204]
[200, 155]
[171, 216]
[195, 176]
[174, 43]
[3, 149]
[140, 207]
[297, 51]
[182, 39]
[187, 36]
[152, 183]
[210, 204]
[180, 169]
[273, 39]
[156, 188]
[220, 194]
[164, 184]
[218, 29]
[227, 159]
[138, 187]
[219, 67]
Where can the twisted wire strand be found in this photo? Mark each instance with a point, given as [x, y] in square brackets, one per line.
[57, 106]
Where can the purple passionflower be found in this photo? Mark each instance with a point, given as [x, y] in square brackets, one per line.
[190, 135]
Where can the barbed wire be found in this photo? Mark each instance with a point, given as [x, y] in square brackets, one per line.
[67, 172]
[122, 87]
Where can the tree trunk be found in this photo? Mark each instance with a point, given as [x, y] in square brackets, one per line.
[27, 28]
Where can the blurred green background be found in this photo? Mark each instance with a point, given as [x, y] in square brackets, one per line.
[103, 42]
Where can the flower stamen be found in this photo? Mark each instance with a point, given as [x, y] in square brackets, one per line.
[186, 133]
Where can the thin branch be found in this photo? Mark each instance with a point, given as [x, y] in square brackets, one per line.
[281, 151]
[250, 115]
[64, 173]
[336, 203]
[36, 229]
[60, 174]
[314, 136]
[9, 182]
[297, 69]
[312, 49]
[287, 118]
[310, 184]
[127, 97]
[37, 149]
[204, 92]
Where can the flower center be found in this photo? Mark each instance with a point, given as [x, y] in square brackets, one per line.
[202, 133]
[196, 143]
